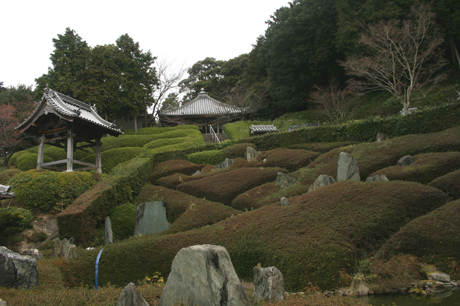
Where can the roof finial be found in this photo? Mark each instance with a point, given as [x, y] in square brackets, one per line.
[202, 91]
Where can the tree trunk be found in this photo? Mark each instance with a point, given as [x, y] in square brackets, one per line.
[135, 123]
[453, 48]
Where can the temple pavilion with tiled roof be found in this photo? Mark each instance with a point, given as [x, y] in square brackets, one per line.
[65, 122]
[202, 111]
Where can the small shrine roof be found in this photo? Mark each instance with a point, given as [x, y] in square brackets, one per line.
[262, 129]
[202, 105]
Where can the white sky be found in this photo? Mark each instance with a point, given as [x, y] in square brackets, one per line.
[180, 31]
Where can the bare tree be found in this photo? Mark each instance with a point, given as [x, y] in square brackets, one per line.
[246, 99]
[169, 79]
[404, 56]
[334, 100]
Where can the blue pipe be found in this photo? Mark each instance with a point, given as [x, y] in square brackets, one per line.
[97, 265]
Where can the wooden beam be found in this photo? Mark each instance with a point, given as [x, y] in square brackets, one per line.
[97, 150]
[70, 150]
[62, 129]
[55, 138]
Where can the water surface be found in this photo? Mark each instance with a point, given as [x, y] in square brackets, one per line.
[447, 298]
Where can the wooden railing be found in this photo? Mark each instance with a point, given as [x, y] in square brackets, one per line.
[213, 134]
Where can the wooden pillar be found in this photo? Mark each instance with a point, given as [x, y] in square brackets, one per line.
[70, 141]
[97, 150]
[41, 149]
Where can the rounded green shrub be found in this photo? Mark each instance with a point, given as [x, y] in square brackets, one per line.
[50, 191]
[123, 218]
[15, 216]
[28, 161]
[212, 157]
[113, 157]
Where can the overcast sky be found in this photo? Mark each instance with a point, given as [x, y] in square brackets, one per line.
[181, 31]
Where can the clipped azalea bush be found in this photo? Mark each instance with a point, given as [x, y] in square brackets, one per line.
[13, 220]
[7, 174]
[290, 159]
[157, 143]
[449, 183]
[256, 197]
[322, 147]
[50, 191]
[425, 168]
[173, 166]
[237, 150]
[211, 157]
[310, 241]
[434, 238]
[224, 187]
[113, 157]
[28, 161]
[123, 218]
[183, 211]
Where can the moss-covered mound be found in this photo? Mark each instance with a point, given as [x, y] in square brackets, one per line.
[310, 241]
[256, 197]
[322, 147]
[224, 187]
[183, 211]
[113, 157]
[289, 159]
[424, 169]
[449, 183]
[173, 166]
[434, 238]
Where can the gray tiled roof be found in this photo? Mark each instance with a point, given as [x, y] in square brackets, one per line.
[262, 129]
[69, 107]
[202, 105]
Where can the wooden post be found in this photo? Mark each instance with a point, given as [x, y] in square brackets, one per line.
[70, 150]
[97, 150]
[41, 149]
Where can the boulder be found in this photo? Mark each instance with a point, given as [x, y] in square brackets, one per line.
[283, 180]
[377, 178]
[347, 168]
[284, 201]
[197, 172]
[131, 297]
[439, 277]
[251, 154]
[32, 252]
[226, 163]
[150, 219]
[108, 234]
[2, 303]
[321, 181]
[405, 161]
[268, 284]
[17, 271]
[381, 137]
[203, 275]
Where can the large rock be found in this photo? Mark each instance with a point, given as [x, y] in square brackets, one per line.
[405, 161]
[17, 271]
[251, 154]
[150, 219]
[381, 137]
[440, 277]
[347, 168]
[108, 234]
[268, 284]
[321, 181]
[284, 201]
[226, 163]
[64, 248]
[203, 275]
[2, 303]
[283, 180]
[131, 297]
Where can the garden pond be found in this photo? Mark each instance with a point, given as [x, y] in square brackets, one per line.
[446, 298]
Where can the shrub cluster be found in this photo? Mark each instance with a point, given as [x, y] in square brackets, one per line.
[47, 191]
[13, 220]
[290, 159]
[211, 157]
[449, 183]
[173, 166]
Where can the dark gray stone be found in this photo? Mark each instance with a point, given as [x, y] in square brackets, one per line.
[131, 297]
[284, 201]
[268, 284]
[377, 178]
[108, 234]
[203, 275]
[283, 180]
[347, 168]
[321, 181]
[226, 163]
[405, 161]
[150, 219]
[381, 137]
[251, 154]
[17, 271]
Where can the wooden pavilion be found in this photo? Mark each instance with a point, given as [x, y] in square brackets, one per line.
[65, 122]
[203, 111]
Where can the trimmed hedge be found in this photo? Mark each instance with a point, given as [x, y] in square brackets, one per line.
[449, 183]
[160, 130]
[290, 159]
[310, 241]
[124, 141]
[157, 143]
[7, 174]
[183, 211]
[422, 122]
[224, 187]
[211, 157]
[322, 147]
[28, 161]
[123, 220]
[173, 166]
[46, 191]
[256, 197]
[237, 150]
[113, 157]
[434, 238]
[424, 169]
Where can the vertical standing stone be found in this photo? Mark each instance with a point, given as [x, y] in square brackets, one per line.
[268, 284]
[347, 168]
[108, 235]
[150, 219]
[321, 181]
[68, 249]
[251, 153]
[57, 246]
[131, 297]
